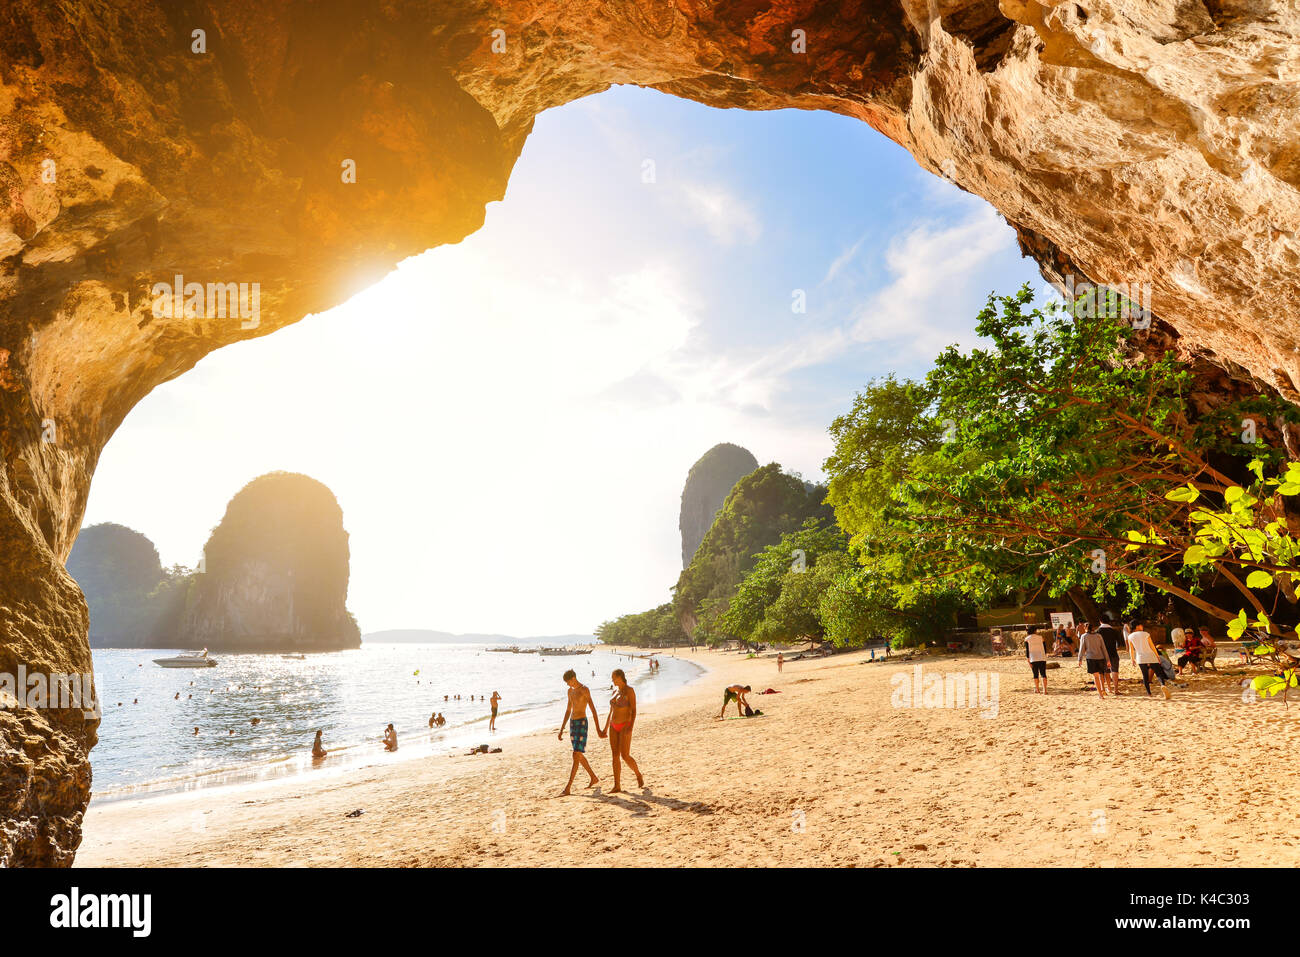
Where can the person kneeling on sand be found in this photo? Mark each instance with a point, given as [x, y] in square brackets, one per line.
[390, 739]
[1037, 655]
[317, 748]
[737, 694]
[1142, 651]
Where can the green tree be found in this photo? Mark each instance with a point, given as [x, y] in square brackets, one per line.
[1046, 447]
[760, 508]
[778, 599]
[656, 628]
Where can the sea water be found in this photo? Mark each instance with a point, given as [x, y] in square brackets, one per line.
[147, 743]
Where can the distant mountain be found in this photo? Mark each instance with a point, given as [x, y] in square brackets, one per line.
[275, 573]
[134, 602]
[708, 483]
[424, 636]
[762, 507]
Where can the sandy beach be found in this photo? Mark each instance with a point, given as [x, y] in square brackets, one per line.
[834, 774]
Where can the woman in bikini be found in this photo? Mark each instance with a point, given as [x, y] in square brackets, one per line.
[622, 715]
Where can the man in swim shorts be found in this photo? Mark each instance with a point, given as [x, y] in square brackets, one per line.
[737, 694]
[492, 723]
[576, 716]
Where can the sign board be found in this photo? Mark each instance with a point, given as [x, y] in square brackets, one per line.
[1062, 619]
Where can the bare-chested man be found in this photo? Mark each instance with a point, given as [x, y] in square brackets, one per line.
[576, 716]
[492, 723]
[734, 693]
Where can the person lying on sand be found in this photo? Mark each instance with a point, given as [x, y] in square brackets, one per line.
[317, 748]
[737, 694]
[576, 716]
[622, 715]
[390, 739]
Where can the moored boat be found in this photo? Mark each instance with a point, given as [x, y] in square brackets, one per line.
[191, 659]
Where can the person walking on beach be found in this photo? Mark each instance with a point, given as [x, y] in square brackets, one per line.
[576, 716]
[492, 722]
[1092, 649]
[1142, 651]
[1111, 637]
[622, 715]
[1037, 655]
[737, 694]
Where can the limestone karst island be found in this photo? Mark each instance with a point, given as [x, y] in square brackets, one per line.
[855, 434]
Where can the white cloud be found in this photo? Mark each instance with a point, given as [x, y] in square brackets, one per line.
[842, 260]
[937, 272]
[728, 218]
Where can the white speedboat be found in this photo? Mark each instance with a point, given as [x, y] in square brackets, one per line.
[192, 659]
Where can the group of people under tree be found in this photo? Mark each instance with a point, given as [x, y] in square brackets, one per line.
[1096, 645]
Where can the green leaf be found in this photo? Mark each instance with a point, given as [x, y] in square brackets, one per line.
[1237, 627]
[1233, 494]
[1185, 493]
[1196, 555]
[1266, 684]
[1259, 579]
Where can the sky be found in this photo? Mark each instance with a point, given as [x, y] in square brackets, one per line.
[507, 422]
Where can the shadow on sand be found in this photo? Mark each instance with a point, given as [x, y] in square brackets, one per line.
[639, 804]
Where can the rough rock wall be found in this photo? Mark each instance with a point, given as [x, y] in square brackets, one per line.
[708, 484]
[256, 605]
[275, 573]
[1155, 140]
